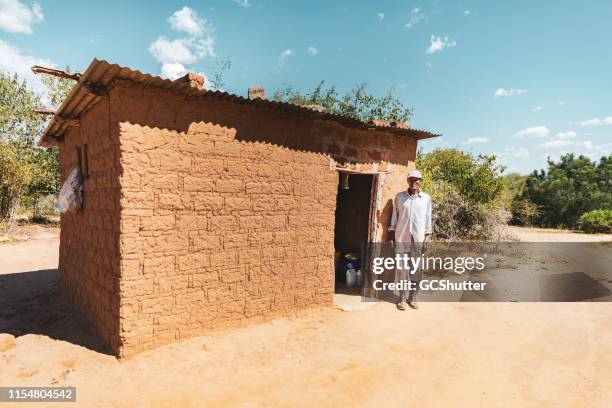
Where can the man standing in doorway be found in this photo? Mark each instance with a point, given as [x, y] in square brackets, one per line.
[411, 224]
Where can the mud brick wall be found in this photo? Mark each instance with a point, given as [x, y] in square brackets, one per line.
[226, 213]
[369, 148]
[89, 251]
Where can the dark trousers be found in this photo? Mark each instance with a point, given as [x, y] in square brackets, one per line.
[412, 250]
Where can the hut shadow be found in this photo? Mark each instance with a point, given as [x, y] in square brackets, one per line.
[30, 304]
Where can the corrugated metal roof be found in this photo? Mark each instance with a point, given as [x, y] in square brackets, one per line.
[101, 73]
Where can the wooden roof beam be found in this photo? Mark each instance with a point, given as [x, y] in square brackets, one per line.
[37, 69]
[68, 121]
[45, 111]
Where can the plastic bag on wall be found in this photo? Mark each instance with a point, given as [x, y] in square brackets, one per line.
[70, 197]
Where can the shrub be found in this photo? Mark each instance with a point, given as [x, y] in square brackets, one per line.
[467, 193]
[358, 103]
[476, 178]
[596, 221]
[456, 220]
[524, 212]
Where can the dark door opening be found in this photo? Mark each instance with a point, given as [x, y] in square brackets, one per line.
[352, 228]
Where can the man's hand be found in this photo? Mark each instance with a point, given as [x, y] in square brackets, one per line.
[425, 245]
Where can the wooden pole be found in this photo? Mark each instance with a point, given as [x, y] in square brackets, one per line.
[45, 111]
[37, 69]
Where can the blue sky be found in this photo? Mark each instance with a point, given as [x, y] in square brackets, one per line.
[521, 79]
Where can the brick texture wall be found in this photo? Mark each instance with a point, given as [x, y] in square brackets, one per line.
[227, 213]
[210, 214]
[89, 251]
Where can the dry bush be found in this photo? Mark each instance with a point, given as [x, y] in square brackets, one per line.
[457, 220]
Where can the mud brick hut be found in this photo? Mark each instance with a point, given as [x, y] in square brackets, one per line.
[204, 209]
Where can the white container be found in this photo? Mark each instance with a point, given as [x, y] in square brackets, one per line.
[351, 277]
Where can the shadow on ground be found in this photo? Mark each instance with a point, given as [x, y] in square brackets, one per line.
[30, 304]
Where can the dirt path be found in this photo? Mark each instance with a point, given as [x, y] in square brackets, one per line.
[39, 252]
[551, 235]
[444, 354]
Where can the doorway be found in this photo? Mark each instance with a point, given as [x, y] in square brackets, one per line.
[352, 229]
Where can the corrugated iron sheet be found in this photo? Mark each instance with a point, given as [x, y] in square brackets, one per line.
[102, 73]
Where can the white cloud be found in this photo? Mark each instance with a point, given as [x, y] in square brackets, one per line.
[205, 47]
[284, 55]
[16, 17]
[188, 21]
[415, 17]
[381, 16]
[428, 64]
[565, 139]
[312, 50]
[557, 143]
[179, 50]
[597, 121]
[173, 70]
[438, 44]
[510, 92]
[570, 134]
[13, 60]
[587, 144]
[534, 131]
[476, 140]
[174, 54]
[466, 12]
[537, 108]
[243, 3]
[518, 152]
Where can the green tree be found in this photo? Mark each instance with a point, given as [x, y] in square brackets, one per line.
[57, 88]
[569, 188]
[14, 177]
[18, 121]
[524, 212]
[477, 178]
[467, 193]
[28, 172]
[358, 103]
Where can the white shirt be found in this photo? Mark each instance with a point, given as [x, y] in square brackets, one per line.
[411, 218]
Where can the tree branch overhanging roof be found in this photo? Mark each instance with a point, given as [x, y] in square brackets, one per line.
[90, 88]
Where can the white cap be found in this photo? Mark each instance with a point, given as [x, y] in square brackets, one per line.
[415, 174]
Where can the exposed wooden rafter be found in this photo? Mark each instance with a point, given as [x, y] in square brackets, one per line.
[37, 69]
[45, 111]
[58, 139]
[68, 121]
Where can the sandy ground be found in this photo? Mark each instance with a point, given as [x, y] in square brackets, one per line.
[444, 354]
[552, 235]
